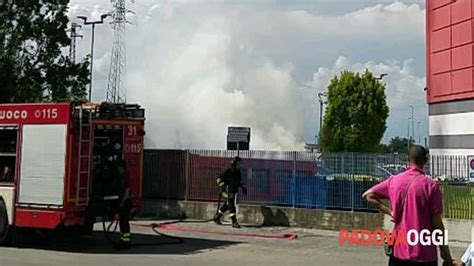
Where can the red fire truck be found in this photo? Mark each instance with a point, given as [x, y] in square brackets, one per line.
[48, 155]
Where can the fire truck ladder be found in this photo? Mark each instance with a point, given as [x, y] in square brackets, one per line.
[85, 153]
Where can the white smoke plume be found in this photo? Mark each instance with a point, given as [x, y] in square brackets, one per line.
[200, 66]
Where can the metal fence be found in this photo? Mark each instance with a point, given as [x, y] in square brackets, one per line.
[298, 179]
[449, 168]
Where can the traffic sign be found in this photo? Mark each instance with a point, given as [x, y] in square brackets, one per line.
[470, 160]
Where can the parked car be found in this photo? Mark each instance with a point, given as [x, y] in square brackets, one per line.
[384, 171]
[330, 176]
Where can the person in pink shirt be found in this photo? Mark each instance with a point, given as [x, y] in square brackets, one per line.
[416, 203]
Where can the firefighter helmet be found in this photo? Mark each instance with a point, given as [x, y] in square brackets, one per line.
[236, 160]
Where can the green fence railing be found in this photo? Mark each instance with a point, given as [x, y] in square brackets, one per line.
[458, 201]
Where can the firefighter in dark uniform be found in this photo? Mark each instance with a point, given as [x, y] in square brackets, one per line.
[124, 203]
[230, 182]
[111, 195]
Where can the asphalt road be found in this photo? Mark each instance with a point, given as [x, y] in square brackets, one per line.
[313, 247]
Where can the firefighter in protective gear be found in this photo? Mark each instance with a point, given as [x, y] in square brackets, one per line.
[230, 182]
[124, 204]
[111, 195]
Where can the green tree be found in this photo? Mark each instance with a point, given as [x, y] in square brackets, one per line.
[355, 119]
[384, 148]
[396, 145]
[33, 64]
[399, 145]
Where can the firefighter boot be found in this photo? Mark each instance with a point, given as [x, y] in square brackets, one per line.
[124, 241]
[235, 224]
[217, 218]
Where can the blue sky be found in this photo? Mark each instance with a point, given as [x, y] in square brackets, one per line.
[199, 66]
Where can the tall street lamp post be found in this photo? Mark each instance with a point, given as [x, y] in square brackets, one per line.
[419, 134]
[322, 101]
[93, 23]
[381, 76]
[412, 121]
[408, 133]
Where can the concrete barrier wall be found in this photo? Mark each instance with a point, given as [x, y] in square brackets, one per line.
[267, 215]
[459, 231]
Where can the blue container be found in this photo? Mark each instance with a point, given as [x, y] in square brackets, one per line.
[290, 197]
[306, 192]
[360, 187]
[339, 194]
[311, 192]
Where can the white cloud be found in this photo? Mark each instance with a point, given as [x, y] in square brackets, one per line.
[373, 22]
[200, 66]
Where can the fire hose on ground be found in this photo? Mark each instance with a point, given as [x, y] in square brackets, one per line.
[170, 225]
[154, 227]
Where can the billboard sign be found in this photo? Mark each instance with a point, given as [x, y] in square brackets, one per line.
[238, 138]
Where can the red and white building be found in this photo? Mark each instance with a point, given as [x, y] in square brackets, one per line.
[450, 76]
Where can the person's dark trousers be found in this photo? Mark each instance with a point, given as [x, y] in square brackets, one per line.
[124, 221]
[229, 205]
[397, 262]
[232, 210]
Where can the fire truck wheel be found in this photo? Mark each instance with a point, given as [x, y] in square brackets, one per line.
[4, 227]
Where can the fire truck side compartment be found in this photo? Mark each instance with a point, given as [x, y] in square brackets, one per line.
[43, 165]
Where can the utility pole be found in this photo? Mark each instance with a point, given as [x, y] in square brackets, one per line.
[381, 76]
[321, 95]
[408, 133]
[74, 36]
[419, 135]
[93, 23]
[412, 121]
[116, 91]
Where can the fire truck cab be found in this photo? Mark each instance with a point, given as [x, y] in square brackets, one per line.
[49, 154]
